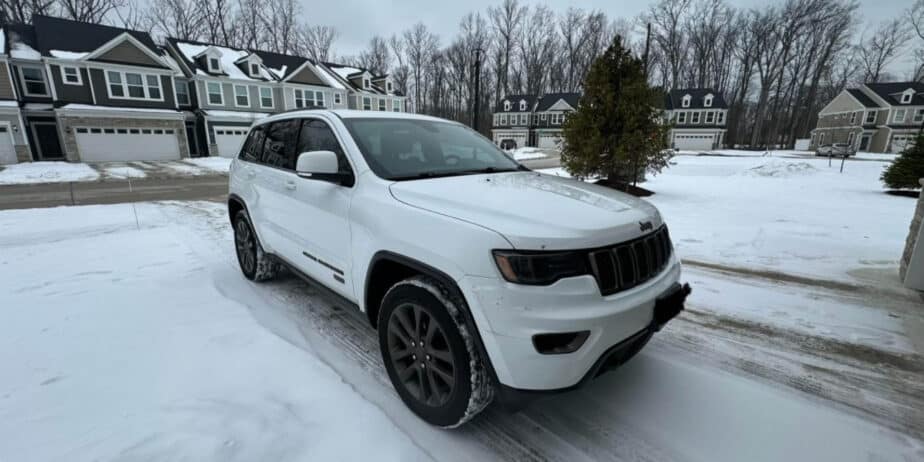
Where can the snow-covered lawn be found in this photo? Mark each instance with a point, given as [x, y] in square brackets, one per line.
[214, 164]
[527, 153]
[791, 215]
[46, 172]
[128, 333]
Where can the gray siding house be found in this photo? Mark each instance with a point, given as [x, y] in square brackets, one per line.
[89, 92]
[528, 120]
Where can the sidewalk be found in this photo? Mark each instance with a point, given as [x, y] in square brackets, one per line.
[31, 173]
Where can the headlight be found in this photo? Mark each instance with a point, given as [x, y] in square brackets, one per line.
[540, 268]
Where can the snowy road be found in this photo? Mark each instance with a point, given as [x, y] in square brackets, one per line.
[128, 333]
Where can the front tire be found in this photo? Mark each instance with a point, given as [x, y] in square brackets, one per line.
[430, 354]
[254, 262]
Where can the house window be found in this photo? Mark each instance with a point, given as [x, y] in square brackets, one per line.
[542, 117]
[681, 117]
[686, 101]
[254, 69]
[720, 119]
[33, 79]
[132, 85]
[70, 75]
[871, 117]
[308, 98]
[214, 93]
[707, 102]
[266, 97]
[503, 119]
[367, 103]
[396, 105]
[710, 117]
[919, 116]
[522, 105]
[899, 116]
[556, 118]
[388, 87]
[850, 137]
[182, 93]
[906, 96]
[241, 96]
[694, 118]
[853, 118]
[337, 98]
[506, 105]
[213, 65]
[366, 83]
[524, 119]
[382, 104]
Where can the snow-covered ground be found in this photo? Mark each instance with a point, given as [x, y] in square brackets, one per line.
[128, 333]
[792, 215]
[46, 172]
[527, 153]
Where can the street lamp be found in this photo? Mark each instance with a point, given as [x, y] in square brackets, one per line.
[476, 105]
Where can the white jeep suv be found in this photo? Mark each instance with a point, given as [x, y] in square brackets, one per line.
[485, 280]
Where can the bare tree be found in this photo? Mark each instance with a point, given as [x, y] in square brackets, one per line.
[317, 42]
[506, 20]
[666, 18]
[419, 47]
[280, 24]
[21, 11]
[180, 19]
[217, 18]
[93, 11]
[376, 57]
[536, 49]
[880, 47]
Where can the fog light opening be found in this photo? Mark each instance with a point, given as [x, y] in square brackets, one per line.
[562, 343]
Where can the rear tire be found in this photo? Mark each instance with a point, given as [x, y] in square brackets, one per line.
[256, 264]
[430, 355]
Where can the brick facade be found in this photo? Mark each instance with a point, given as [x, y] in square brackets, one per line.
[69, 141]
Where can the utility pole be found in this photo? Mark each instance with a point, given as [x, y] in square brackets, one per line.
[476, 107]
[647, 45]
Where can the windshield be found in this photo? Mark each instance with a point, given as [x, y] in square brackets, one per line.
[403, 149]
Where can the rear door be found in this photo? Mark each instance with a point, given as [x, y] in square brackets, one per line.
[317, 218]
[274, 185]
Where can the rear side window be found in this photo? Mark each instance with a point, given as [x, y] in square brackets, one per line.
[279, 149]
[317, 136]
[253, 146]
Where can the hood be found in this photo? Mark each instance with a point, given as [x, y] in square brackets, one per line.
[534, 211]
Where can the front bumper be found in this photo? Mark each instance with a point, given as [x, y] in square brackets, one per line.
[509, 315]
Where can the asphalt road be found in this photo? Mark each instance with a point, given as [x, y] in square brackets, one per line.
[213, 187]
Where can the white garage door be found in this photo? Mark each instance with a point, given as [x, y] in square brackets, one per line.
[899, 142]
[229, 140]
[519, 139]
[548, 141]
[100, 144]
[693, 142]
[7, 152]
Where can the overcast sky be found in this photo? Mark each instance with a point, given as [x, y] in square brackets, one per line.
[358, 20]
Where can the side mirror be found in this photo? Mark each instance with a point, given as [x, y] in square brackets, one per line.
[316, 162]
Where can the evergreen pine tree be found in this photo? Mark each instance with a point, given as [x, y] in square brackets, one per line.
[616, 132]
[907, 168]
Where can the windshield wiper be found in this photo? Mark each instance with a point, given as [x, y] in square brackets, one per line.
[432, 174]
[488, 170]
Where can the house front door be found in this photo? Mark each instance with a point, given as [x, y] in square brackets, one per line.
[46, 139]
[864, 142]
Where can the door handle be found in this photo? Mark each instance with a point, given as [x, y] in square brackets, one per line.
[290, 185]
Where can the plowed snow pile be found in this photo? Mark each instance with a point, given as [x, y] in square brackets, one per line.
[782, 169]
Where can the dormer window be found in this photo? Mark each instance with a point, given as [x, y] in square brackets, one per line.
[366, 83]
[388, 87]
[707, 101]
[507, 105]
[254, 70]
[214, 66]
[907, 95]
[522, 105]
[686, 101]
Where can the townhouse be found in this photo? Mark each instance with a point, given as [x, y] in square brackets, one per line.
[875, 117]
[531, 120]
[86, 92]
[698, 117]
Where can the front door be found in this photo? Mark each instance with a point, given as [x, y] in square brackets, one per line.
[46, 139]
[7, 151]
[864, 142]
[319, 227]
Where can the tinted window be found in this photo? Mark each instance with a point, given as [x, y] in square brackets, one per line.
[317, 136]
[253, 147]
[279, 149]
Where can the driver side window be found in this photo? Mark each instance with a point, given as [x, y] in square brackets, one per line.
[316, 135]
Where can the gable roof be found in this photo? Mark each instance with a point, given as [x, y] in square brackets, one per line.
[549, 100]
[515, 103]
[673, 99]
[343, 74]
[891, 92]
[68, 39]
[863, 98]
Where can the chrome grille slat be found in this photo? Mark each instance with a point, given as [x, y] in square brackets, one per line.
[629, 264]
